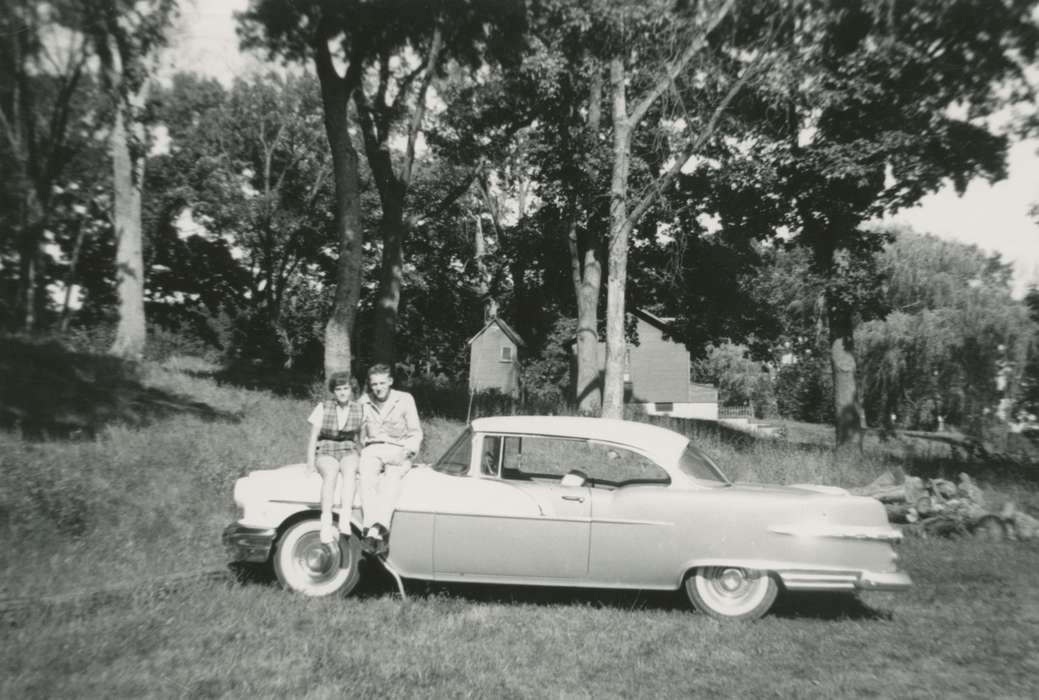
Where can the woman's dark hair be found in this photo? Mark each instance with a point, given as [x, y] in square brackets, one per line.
[338, 379]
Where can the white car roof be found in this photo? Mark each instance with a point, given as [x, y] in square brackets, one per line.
[648, 438]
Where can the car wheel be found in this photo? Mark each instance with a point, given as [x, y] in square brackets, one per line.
[731, 593]
[305, 565]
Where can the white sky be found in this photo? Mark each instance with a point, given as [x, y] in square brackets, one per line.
[993, 217]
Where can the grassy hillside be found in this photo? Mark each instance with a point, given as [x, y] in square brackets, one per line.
[135, 478]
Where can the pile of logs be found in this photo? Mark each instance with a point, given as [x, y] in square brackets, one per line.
[941, 507]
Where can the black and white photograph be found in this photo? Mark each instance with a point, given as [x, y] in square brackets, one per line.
[519, 349]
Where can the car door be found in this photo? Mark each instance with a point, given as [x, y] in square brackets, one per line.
[515, 519]
[633, 536]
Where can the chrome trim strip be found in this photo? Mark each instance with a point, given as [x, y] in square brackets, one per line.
[534, 518]
[309, 504]
[881, 533]
[813, 581]
[623, 521]
[541, 518]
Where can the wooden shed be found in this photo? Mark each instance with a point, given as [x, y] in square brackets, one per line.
[494, 358]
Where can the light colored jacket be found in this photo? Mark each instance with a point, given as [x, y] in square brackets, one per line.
[394, 421]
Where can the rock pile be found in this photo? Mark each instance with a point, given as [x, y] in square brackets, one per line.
[941, 507]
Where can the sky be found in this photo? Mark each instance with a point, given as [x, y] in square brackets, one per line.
[993, 217]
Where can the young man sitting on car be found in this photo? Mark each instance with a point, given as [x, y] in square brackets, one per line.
[391, 435]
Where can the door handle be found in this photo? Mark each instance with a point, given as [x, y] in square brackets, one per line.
[579, 499]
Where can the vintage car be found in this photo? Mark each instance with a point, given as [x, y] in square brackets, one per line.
[582, 502]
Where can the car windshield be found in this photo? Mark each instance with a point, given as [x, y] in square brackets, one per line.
[456, 460]
[699, 466]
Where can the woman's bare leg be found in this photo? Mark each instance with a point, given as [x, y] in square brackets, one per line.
[348, 474]
[328, 467]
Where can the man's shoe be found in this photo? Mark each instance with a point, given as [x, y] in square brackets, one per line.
[376, 540]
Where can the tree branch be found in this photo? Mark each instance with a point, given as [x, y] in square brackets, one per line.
[678, 65]
[420, 104]
[383, 115]
[374, 146]
[694, 144]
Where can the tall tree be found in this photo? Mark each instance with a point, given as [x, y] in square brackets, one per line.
[884, 103]
[126, 36]
[683, 34]
[251, 164]
[43, 66]
[319, 32]
[407, 49]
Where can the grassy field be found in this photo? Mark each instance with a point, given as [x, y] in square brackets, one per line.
[143, 489]
[968, 629]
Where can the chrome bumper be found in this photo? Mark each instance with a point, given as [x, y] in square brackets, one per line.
[845, 581]
[897, 581]
[249, 544]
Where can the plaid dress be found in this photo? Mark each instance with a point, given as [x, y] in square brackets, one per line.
[333, 440]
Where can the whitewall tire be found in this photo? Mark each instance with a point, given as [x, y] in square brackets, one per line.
[731, 593]
[305, 565]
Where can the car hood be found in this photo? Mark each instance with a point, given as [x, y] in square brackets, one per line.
[287, 483]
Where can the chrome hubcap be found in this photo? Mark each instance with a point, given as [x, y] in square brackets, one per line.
[317, 558]
[318, 562]
[730, 590]
[732, 579]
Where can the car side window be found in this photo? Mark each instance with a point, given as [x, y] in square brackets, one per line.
[537, 457]
[613, 464]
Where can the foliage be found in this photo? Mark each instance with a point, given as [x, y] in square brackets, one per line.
[867, 108]
[250, 168]
[546, 378]
[740, 380]
[954, 330]
[47, 123]
[1029, 397]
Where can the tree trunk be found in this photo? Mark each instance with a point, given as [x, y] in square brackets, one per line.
[335, 97]
[847, 408]
[586, 270]
[617, 265]
[29, 273]
[587, 283]
[127, 176]
[70, 277]
[391, 276]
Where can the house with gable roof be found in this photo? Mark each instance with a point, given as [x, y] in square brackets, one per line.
[656, 373]
[494, 358]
